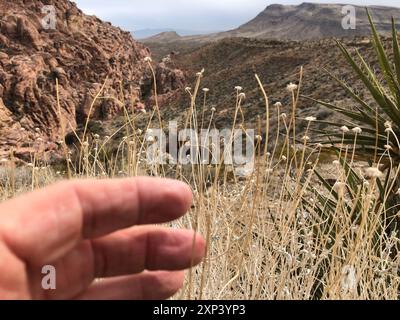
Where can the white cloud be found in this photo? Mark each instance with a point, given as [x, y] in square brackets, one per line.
[189, 14]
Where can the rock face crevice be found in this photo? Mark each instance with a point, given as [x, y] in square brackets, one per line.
[83, 53]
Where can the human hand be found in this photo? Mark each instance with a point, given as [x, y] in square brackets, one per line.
[86, 230]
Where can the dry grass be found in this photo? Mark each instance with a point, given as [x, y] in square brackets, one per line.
[266, 237]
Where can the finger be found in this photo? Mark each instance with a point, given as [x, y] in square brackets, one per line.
[146, 248]
[124, 253]
[158, 285]
[44, 225]
[13, 276]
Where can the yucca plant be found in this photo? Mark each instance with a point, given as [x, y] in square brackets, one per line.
[356, 214]
[377, 127]
[368, 201]
[380, 122]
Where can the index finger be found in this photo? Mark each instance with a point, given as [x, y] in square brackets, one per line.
[45, 224]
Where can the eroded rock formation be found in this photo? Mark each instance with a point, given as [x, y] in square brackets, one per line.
[83, 53]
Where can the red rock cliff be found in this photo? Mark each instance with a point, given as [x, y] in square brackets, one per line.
[81, 51]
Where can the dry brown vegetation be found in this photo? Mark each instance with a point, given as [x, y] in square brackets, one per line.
[267, 237]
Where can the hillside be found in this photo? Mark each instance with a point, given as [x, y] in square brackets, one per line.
[233, 62]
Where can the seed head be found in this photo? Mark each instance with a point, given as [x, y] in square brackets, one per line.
[311, 119]
[344, 129]
[388, 147]
[356, 130]
[373, 172]
[388, 124]
[291, 87]
[201, 72]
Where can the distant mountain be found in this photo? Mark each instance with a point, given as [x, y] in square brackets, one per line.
[312, 21]
[307, 21]
[165, 36]
[146, 33]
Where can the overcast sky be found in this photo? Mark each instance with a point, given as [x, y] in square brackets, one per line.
[207, 15]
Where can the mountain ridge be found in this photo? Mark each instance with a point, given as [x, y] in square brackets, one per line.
[313, 21]
[307, 21]
[148, 33]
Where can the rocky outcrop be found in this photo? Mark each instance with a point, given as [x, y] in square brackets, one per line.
[169, 80]
[84, 54]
